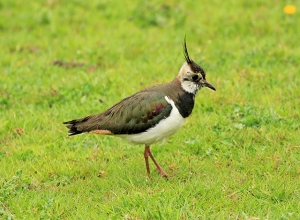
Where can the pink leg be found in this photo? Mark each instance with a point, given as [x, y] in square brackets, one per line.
[148, 153]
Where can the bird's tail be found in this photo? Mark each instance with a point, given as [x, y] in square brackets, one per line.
[77, 126]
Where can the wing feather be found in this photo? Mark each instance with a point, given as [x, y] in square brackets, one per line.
[132, 115]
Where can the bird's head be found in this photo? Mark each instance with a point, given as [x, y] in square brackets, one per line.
[191, 75]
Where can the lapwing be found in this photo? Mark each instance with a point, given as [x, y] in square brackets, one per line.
[151, 115]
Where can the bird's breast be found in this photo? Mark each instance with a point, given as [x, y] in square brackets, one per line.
[162, 130]
[185, 103]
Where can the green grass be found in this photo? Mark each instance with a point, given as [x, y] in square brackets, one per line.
[237, 156]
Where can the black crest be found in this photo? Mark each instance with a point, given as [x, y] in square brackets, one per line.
[194, 66]
[185, 51]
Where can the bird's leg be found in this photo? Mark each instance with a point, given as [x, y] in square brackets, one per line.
[147, 153]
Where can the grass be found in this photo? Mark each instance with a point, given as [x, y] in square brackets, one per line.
[237, 156]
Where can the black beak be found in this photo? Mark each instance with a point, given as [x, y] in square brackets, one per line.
[207, 84]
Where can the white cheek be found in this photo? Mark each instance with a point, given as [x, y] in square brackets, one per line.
[189, 86]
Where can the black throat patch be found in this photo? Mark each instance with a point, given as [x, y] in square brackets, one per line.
[185, 104]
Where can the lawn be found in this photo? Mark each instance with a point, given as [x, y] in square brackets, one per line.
[236, 157]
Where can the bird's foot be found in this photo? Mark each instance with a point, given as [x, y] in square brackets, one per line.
[163, 173]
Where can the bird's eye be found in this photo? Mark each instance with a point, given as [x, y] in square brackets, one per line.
[195, 77]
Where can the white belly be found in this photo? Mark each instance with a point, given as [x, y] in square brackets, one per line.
[164, 129]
